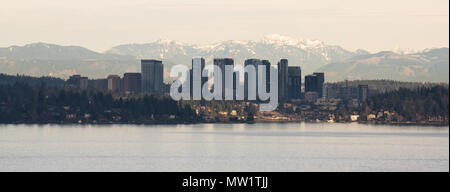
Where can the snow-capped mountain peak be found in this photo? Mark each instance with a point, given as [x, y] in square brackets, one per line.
[309, 54]
[285, 40]
[404, 51]
[165, 41]
[39, 44]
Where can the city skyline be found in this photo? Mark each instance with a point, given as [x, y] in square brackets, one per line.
[227, 86]
[374, 26]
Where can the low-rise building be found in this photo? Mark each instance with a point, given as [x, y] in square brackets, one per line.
[354, 117]
[311, 96]
[371, 117]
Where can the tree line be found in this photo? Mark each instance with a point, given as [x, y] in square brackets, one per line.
[12, 79]
[22, 103]
[412, 104]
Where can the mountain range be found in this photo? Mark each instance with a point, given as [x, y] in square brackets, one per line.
[430, 65]
[42, 59]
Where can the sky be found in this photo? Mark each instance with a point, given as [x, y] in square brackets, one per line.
[101, 24]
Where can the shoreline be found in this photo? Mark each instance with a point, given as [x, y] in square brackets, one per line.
[434, 124]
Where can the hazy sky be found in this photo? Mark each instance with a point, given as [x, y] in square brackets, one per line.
[100, 24]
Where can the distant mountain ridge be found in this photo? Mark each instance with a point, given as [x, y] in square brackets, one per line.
[42, 59]
[309, 54]
[429, 65]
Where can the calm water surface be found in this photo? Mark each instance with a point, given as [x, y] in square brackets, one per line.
[224, 147]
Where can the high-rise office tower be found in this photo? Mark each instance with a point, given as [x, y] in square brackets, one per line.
[321, 81]
[314, 83]
[311, 83]
[152, 76]
[255, 63]
[113, 83]
[282, 79]
[363, 92]
[132, 82]
[294, 82]
[267, 66]
[221, 63]
[199, 64]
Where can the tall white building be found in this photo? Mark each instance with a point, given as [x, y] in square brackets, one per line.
[255, 63]
[198, 63]
[221, 63]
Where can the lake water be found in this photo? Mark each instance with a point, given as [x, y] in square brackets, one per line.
[224, 147]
